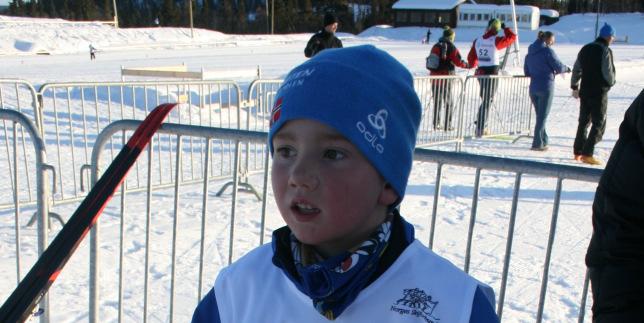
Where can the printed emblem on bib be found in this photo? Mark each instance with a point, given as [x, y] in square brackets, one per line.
[417, 303]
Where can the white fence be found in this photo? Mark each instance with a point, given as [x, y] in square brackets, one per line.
[72, 117]
[210, 220]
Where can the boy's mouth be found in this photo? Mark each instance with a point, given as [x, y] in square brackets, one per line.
[304, 208]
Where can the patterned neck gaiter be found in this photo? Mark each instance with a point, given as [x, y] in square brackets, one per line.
[335, 282]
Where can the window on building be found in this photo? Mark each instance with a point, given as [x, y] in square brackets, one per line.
[415, 17]
[486, 17]
[479, 16]
[430, 17]
[401, 16]
[445, 18]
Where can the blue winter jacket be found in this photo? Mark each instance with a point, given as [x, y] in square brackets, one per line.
[541, 65]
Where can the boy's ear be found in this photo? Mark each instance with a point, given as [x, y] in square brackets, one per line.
[388, 196]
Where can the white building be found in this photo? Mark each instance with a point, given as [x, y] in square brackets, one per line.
[478, 15]
[453, 13]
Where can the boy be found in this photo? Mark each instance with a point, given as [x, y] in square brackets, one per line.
[342, 137]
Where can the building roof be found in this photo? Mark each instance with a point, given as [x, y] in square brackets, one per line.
[493, 7]
[427, 4]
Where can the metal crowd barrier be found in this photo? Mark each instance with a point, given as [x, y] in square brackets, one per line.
[73, 114]
[202, 210]
[21, 96]
[496, 105]
[440, 97]
[178, 134]
[519, 168]
[19, 133]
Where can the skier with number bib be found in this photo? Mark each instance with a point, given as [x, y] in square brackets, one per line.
[486, 53]
[444, 57]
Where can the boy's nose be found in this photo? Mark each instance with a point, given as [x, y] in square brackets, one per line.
[303, 175]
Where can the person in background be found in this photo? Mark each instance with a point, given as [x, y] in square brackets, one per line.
[541, 65]
[486, 53]
[429, 34]
[615, 256]
[340, 168]
[324, 38]
[595, 70]
[448, 57]
[92, 52]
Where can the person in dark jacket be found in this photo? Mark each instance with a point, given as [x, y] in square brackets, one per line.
[486, 53]
[449, 58]
[541, 65]
[596, 71]
[615, 256]
[324, 38]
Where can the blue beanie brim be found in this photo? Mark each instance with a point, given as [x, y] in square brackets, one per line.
[364, 94]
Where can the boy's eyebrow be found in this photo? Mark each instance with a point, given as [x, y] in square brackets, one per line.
[284, 135]
[288, 135]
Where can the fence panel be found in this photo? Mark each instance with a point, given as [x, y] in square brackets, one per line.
[75, 113]
[520, 195]
[21, 96]
[496, 105]
[214, 225]
[440, 97]
[23, 203]
[197, 220]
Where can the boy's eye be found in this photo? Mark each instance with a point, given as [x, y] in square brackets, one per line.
[285, 152]
[334, 154]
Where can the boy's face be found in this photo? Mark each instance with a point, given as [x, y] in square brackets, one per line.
[327, 192]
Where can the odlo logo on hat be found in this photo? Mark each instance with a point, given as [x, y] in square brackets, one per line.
[276, 111]
[379, 129]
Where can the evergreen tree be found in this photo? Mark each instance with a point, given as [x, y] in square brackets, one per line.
[242, 21]
[169, 14]
[107, 10]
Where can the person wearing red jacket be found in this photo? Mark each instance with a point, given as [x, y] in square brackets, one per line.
[449, 58]
[485, 53]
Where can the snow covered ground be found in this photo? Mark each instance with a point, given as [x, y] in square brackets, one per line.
[42, 51]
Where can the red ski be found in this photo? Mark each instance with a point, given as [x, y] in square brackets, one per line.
[19, 306]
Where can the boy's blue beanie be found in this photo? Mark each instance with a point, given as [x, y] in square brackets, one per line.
[363, 93]
[606, 31]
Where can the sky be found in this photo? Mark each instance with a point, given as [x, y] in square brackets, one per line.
[42, 51]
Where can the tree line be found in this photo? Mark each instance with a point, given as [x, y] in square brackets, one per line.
[251, 16]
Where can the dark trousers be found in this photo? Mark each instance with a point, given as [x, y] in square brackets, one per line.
[442, 91]
[486, 92]
[591, 109]
[618, 293]
[541, 102]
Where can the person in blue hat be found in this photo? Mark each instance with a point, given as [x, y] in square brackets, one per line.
[340, 168]
[592, 77]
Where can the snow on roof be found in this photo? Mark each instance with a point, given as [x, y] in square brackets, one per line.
[549, 13]
[427, 4]
[491, 7]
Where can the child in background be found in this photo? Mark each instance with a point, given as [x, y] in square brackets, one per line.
[342, 138]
